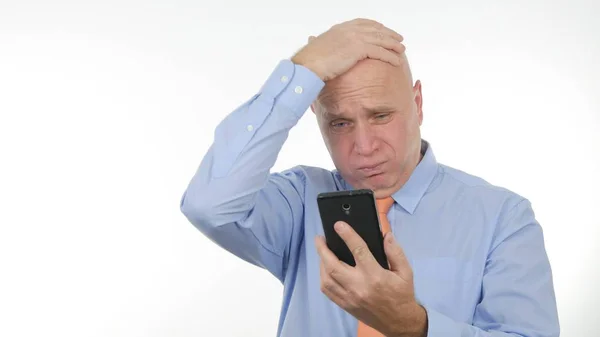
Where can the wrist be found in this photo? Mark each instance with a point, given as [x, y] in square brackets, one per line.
[413, 323]
[296, 59]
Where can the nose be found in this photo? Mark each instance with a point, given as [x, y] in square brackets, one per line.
[365, 139]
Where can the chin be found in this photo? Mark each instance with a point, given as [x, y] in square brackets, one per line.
[378, 182]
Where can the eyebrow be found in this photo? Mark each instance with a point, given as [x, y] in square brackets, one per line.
[380, 109]
[370, 110]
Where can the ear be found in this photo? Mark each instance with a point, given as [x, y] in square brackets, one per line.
[315, 107]
[418, 94]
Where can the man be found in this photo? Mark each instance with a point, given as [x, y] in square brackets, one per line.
[466, 258]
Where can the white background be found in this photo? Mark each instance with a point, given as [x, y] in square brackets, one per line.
[107, 108]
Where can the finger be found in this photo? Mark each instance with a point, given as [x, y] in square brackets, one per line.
[379, 39]
[396, 257]
[358, 247]
[332, 289]
[336, 269]
[395, 35]
[383, 54]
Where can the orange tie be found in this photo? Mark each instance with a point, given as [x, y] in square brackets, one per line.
[383, 206]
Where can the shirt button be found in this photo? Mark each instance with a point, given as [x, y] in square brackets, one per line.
[298, 90]
[250, 127]
[284, 79]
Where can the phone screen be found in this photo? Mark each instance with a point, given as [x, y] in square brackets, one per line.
[359, 210]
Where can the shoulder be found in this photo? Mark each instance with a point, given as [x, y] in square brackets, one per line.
[305, 171]
[304, 176]
[504, 210]
[477, 189]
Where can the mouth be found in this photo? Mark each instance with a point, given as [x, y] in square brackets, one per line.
[371, 170]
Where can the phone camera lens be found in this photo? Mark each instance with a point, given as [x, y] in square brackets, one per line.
[346, 207]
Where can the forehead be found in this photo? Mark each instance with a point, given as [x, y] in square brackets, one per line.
[352, 109]
[363, 100]
[370, 86]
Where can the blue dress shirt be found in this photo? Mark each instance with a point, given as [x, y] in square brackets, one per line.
[477, 252]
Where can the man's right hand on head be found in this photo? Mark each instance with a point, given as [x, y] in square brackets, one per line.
[343, 45]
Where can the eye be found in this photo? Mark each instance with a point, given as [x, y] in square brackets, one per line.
[382, 117]
[339, 124]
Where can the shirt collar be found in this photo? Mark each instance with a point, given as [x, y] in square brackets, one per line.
[411, 193]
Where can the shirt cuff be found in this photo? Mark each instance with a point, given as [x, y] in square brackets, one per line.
[439, 325]
[293, 86]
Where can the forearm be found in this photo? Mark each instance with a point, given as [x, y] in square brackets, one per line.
[440, 325]
[419, 321]
[232, 198]
[246, 146]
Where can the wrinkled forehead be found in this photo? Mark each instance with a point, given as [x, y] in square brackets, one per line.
[369, 86]
[361, 109]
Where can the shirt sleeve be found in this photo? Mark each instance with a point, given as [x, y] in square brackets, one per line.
[233, 198]
[518, 294]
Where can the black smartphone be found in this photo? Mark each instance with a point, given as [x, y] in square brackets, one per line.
[358, 209]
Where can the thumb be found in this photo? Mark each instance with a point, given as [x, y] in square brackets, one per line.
[395, 255]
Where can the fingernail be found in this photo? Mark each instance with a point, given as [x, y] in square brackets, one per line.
[339, 226]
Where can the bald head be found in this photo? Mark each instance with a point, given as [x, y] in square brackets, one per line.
[365, 78]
